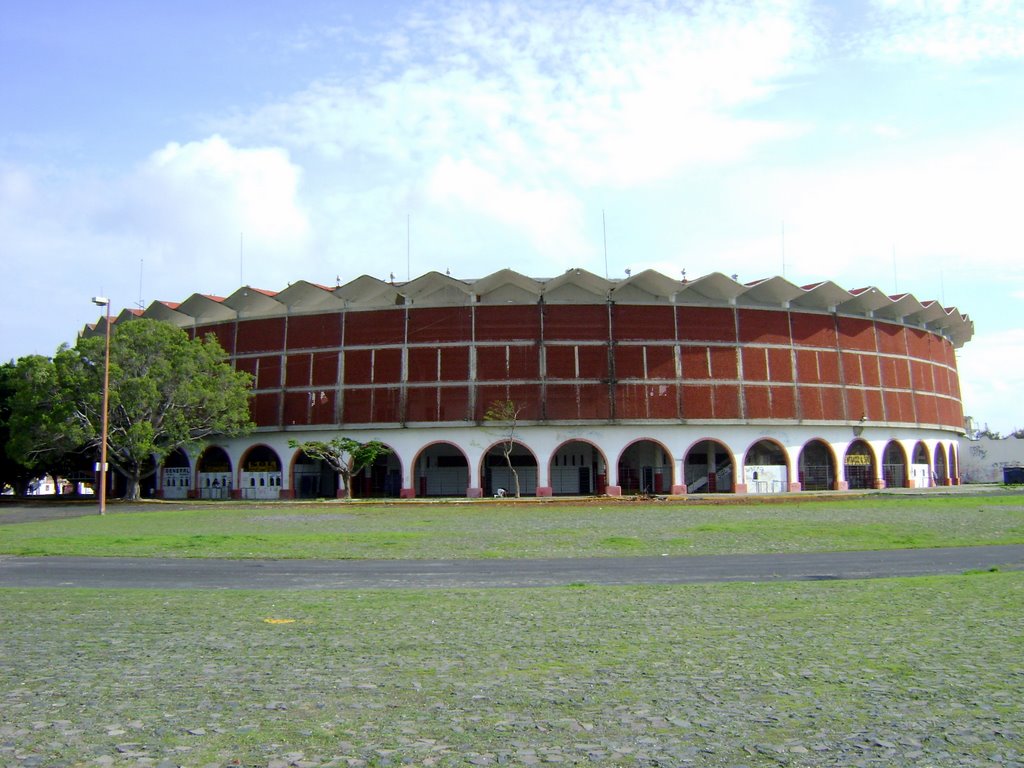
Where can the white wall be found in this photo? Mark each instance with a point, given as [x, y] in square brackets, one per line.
[612, 440]
[982, 460]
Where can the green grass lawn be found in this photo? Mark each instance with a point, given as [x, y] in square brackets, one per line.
[923, 671]
[459, 530]
[920, 671]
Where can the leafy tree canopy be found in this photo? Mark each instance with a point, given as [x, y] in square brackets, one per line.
[13, 473]
[167, 391]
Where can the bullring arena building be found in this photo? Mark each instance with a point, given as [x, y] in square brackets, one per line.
[643, 385]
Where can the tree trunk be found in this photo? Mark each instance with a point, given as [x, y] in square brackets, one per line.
[131, 487]
[515, 475]
[55, 474]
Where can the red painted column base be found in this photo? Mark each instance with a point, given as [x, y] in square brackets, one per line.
[545, 491]
[407, 493]
[613, 490]
[678, 490]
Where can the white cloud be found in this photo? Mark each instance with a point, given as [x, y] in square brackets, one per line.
[992, 377]
[549, 220]
[172, 223]
[939, 207]
[195, 188]
[535, 103]
[197, 204]
[950, 30]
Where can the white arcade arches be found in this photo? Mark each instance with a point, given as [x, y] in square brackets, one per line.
[578, 468]
[708, 468]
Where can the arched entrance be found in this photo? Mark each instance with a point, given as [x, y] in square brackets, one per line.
[708, 468]
[578, 468]
[920, 467]
[261, 474]
[645, 467]
[859, 466]
[954, 469]
[816, 467]
[214, 474]
[765, 468]
[894, 466]
[176, 476]
[441, 469]
[941, 467]
[498, 479]
[382, 479]
[313, 478]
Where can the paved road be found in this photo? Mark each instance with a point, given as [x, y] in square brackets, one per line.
[166, 573]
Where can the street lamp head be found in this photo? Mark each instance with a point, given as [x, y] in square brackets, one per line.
[100, 301]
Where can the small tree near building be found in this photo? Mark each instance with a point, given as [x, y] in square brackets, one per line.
[344, 455]
[506, 412]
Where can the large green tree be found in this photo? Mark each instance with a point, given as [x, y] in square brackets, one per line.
[13, 473]
[167, 391]
[344, 455]
[39, 436]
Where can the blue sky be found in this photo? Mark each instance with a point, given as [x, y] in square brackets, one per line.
[870, 143]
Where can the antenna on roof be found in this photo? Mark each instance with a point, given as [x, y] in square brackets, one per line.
[408, 248]
[604, 234]
[139, 304]
[783, 247]
[895, 282]
[241, 278]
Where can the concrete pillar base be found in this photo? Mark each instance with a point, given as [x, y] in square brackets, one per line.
[474, 493]
[613, 490]
[407, 493]
[739, 488]
[795, 487]
[841, 485]
[545, 491]
[678, 490]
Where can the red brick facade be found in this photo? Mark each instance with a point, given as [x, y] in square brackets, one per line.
[602, 362]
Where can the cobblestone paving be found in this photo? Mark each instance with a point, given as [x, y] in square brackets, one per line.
[920, 672]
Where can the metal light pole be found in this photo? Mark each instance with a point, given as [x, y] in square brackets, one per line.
[102, 301]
